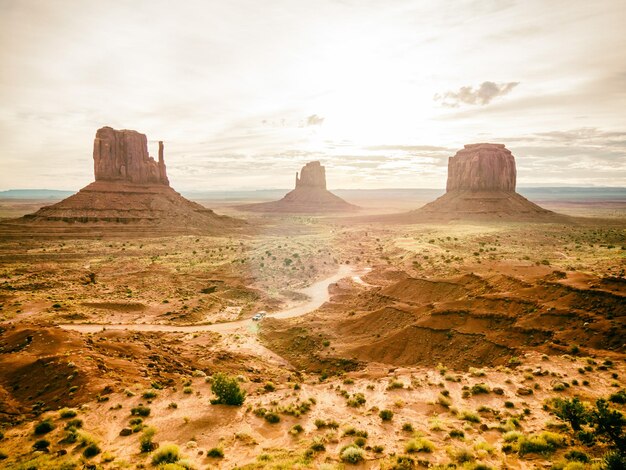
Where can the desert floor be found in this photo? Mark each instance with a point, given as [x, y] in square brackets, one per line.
[464, 333]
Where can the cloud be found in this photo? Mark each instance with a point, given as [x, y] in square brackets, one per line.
[314, 120]
[481, 95]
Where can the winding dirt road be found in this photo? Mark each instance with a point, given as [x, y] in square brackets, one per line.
[317, 293]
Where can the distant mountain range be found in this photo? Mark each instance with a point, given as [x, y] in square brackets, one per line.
[537, 193]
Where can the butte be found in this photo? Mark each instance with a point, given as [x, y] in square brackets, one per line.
[131, 194]
[309, 196]
[481, 187]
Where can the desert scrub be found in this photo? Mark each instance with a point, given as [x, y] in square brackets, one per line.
[227, 390]
[320, 423]
[419, 444]
[67, 413]
[408, 427]
[215, 453]
[394, 385]
[41, 444]
[145, 443]
[296, 429]
[352, 431]
[44, 427]
[140, 410]
[91, 450]
[470, 416]
[386, 415]
[477, 389]
[352, 454]
[542, 443]
[444, 401]
[356, 400]
[149, 394]
[169, 453]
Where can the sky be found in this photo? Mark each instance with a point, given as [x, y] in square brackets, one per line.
[244, 92]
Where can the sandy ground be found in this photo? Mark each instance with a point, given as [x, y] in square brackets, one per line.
[344, 303]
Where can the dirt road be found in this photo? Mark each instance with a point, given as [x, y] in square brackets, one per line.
[317, 293]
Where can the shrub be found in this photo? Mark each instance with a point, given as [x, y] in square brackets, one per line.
[215, 453]
[609, 425]
[187, 390]
[272, 417]
[577, 455]
[386, 415]
[149, 394]
[296, 429]
[444, 401]
[543, 443]
[3, 455]
[395, 385]
[479, 388]
[419, 444]
[227, 390]
[41, 444]
[91, 450]
[140, 410]
[169, 453]
[352, 455]
[613, 461]
[470, 416]
[407, 427]
[317, 445]
[618, 397]
[145, 443]
[571, 411]
[457, 433]
[356, 400]
[66, 413]
[44, 427]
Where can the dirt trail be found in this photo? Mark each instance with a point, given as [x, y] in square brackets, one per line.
[317, 293]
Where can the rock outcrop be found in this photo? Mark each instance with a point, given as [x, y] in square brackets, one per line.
[480, 187]
[123, 156]
[130, 194]
[309, 196]
[482, 167]
[312, 175]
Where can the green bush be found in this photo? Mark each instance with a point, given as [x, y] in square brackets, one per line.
[169, 453]
[477, 389]
[41, 444]
[609, 425]
[386, 415]
[149, 394]
[91, 450]
[419, 444]
[44, 427]
[227, 390]
[571, 411]
[215, 453]
[544, 443]
[272, 417]
[145, 443]
[140, 410]
[66, 413]
[352, 455]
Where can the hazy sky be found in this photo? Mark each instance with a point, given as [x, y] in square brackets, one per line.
[243, 92]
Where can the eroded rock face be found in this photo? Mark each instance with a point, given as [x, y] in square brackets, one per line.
[312, 175]
[482, 167]
[123, 156]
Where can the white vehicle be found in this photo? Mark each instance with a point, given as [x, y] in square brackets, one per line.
[259, 316]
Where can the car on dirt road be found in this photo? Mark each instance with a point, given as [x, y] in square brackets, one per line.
[259, 316]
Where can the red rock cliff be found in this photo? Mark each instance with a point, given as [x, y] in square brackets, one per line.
[123, 156]
[482, 167]
[312, 175]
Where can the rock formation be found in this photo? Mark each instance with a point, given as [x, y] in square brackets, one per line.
[309, 196]
[482, 167]
[131, 193]
[480, 187]
[123, 156]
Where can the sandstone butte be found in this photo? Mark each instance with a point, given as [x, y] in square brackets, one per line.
[481, 186]
[309, 195]
[130, 194]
